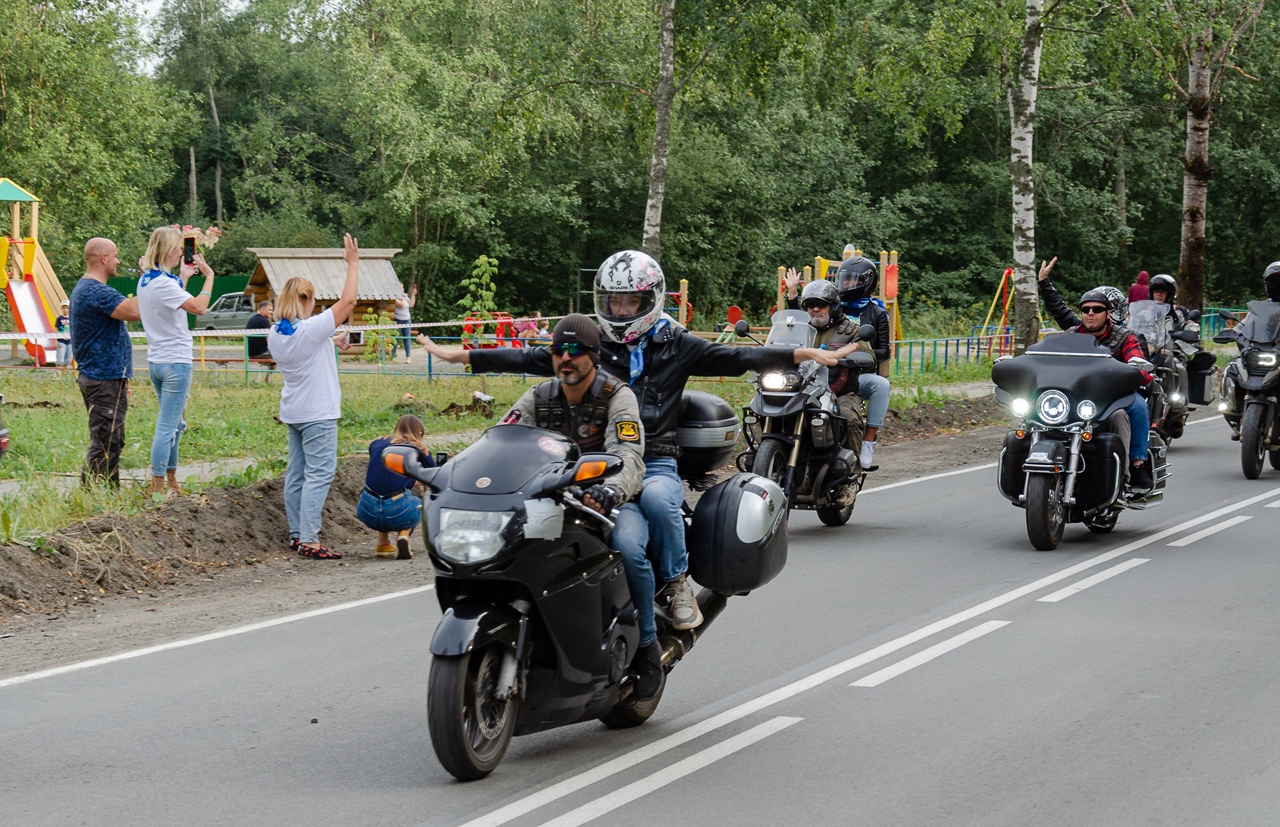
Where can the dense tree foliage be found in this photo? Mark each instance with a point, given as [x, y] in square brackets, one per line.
[523, 130]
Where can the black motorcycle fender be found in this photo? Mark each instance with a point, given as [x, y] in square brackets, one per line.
[472, 624]
[1046, 456]
[794, 404]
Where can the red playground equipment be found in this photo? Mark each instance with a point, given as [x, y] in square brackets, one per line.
[504, 331]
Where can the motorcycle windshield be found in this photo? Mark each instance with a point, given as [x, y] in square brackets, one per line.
[1069, 362]
[506, 457]
[791, 328]
[1150, 321]
[1262, 325]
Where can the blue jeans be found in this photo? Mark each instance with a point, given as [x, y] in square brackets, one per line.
[1139, 426]
[313, 460]
[655, 515]
[172, 384]
[405, 337]
[874, 389]
[399, 513]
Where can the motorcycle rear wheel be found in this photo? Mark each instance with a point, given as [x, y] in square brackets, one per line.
[1253, 444]
[633, 713]
[835, 515]
[1046, 513]
[1274, 457]
[470, 729]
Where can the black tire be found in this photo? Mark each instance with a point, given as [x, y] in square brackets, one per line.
[1253, 443]
[630, 714]
[1102, 523]
[834, 515]
[1274, 457]
[1046, 514]
[470, 730]
[771, 461]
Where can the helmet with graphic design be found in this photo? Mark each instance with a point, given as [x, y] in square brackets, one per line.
[629, 291]
[1117, 303]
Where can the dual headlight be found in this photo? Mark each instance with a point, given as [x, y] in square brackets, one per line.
[1053, 408]
[471, 536]
[787, 380]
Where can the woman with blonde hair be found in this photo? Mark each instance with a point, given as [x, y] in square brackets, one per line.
[163, 303]
[387, 502]
[311, 400]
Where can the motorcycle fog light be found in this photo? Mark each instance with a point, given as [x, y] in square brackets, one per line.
[1175, 397]
[1087, 409]
[1020, 407]
[471, 536]
[1053, 407]
[1222, 407]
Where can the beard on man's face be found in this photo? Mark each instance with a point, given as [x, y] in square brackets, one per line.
[571, 373]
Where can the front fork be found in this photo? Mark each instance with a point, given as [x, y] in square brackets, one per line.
[1073, 467]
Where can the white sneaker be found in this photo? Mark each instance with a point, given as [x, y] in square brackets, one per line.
[868, 451]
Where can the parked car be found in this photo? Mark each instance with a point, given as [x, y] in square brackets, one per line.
[228, 312]
[4, 432]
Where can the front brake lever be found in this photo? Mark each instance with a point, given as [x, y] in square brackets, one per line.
[571, 499]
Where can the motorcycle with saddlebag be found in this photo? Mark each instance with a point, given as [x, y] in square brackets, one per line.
[1251, 383]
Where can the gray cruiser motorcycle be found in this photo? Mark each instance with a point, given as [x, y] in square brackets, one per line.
[1251, 385]
[1060, 464]
[1185, 373]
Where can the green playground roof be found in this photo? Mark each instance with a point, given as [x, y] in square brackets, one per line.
[10, 191]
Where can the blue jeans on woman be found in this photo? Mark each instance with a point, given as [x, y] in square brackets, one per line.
[172, 383]
[874, 389]
[313, 460]
[405, 337]
[389, 514]
[655, 513]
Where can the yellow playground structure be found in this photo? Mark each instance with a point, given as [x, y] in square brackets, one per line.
[29, 283]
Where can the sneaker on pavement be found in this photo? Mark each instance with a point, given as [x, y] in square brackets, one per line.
[403, 551]
[648, 668]
[866, 455]
[1140, 477]
[685, 613]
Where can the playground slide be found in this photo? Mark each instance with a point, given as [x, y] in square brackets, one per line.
[31, 314]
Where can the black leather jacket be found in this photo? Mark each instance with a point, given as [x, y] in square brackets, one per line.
[671, 357]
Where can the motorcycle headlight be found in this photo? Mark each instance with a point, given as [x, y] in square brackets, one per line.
[471, 536]
[1053, 407]
[1020, 407]
[1087, 410]
[1175, 397]
[1259, 359]
[780, 380]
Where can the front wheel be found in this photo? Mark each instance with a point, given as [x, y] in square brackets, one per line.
[470, 728]
[1046, 513]
[1253, 443]
[771, 461]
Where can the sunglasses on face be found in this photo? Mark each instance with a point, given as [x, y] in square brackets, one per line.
[816, 305]
[1092, 309]
[571, 349]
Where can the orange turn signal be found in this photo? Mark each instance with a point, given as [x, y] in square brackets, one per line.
[1086, 436]
[394, 462]
[589, 470]
[1020, 434]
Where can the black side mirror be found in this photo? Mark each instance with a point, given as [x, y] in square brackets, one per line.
[1228, 315]
[741, 328]
[866, 333]
[1193, 316]
[593, 467]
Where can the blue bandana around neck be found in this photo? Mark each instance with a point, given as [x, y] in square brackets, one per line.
[153, 274]
[285, 327]
[856, 306]
[637, 355]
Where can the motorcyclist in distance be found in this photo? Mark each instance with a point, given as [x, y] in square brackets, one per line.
[1164, 289]
[1096, 319]
[644, 348]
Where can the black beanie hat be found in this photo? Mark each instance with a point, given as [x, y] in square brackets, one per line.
[581, 329]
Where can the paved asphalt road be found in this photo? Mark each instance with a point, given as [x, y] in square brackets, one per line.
[921, 666]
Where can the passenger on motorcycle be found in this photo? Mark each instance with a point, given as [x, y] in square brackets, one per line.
[1165, 290]
[645, 348]
[599, 413]
[855, 285]
[1097, 318]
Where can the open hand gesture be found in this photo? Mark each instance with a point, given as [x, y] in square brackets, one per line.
[350, 249]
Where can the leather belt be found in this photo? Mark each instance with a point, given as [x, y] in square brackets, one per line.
[372, 493]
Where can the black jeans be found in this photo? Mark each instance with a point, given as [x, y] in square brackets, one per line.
[107, 401]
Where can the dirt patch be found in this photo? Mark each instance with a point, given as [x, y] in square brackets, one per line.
[214, 560]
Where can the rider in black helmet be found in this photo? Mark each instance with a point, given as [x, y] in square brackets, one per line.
[1271, 278]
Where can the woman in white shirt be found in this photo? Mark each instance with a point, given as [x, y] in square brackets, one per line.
[311, 400]
[163, 302]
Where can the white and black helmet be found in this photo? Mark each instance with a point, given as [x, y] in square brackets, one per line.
[1164, 282]
[629, 273]
[1117, 303]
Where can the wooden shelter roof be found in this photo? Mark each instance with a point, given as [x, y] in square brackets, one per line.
[327, 271]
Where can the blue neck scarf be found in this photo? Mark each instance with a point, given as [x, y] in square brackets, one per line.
[285, 327]
[153, 274]
[637, 355]
[856, 306]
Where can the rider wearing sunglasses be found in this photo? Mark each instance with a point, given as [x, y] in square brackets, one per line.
[1134, 423]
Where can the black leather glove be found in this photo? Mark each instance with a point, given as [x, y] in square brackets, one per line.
[605, 495]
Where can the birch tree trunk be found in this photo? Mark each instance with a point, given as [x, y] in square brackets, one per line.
[663, 98]
[1022, 87]
[217, 168]
[1195, 177]
[191, 183]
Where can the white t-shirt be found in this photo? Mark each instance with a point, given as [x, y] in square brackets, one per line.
[164, 320]
[306, 361]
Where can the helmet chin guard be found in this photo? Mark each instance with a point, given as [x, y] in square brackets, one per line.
[630, 291]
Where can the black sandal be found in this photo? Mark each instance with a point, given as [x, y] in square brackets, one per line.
[293, 543]
[318, 552]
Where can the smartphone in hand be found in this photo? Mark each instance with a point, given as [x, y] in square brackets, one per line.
[189, 250]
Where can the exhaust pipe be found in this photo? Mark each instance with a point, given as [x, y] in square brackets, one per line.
[676, 644]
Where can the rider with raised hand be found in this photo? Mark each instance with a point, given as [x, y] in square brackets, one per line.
[646, 349]
[1098, 310]
[599, 413]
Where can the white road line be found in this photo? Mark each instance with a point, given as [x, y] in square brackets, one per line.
[921, 658]
[926, 479]
[1076, 588]
[192, 641]
[545, 796]
[1217, 418]
[667, 775]
[1275, 504]
[1214, 529]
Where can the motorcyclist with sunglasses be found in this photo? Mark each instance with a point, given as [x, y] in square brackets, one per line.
[1097, 319]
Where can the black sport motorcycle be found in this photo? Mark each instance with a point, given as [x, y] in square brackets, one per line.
[1182, 370]
[539, 629]
[795, 432]
[1059, 464]
[1250, 384]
